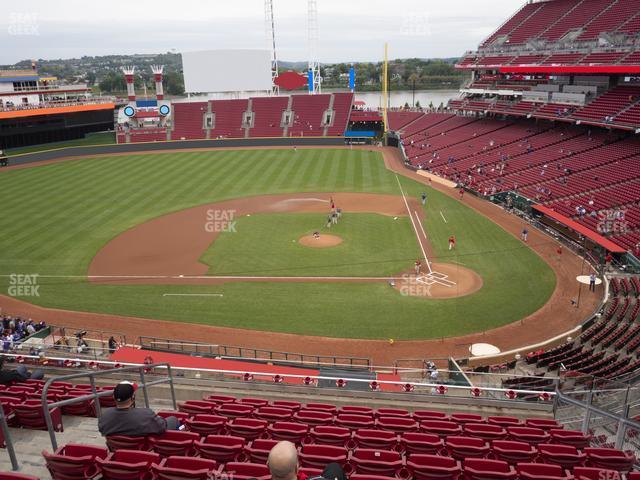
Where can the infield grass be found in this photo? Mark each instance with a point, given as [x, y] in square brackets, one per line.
[56, 217]
[267, 245]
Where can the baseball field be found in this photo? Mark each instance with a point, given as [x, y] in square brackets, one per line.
[135, 223]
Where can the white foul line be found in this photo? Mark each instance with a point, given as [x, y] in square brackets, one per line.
[445, 220]
[424, 254]
[420, 223]
[192, 295]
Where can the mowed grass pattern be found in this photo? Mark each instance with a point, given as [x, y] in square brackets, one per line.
[56, 217]
[267, 245]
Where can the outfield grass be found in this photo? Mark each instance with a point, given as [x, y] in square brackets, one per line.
[90, 139]
[57, 216]
[267, 245]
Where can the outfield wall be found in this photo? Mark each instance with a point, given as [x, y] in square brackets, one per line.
[70, 152]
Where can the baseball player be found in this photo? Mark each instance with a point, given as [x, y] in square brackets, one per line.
[525, 234]
[461, 193]
[417, 266]
[423, 198]
[452, 242]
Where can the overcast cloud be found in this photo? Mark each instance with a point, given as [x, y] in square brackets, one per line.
[353, 30]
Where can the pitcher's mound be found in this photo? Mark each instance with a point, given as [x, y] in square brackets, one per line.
[323, 241]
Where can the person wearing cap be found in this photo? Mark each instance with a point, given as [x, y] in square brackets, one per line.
[126, 419]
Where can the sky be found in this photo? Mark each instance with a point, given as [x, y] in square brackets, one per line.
[353, 30]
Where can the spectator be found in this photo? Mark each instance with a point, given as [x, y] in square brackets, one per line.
[283, 464]
[20, 374]
[126, 419]
[113, 345]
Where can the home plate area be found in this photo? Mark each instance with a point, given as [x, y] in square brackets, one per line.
[436, 278]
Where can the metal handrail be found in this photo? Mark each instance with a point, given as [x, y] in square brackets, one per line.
[47, 407]
[623, 421]
[8, 441]
[226, 351]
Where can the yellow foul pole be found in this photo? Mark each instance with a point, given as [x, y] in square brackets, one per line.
[385, 82]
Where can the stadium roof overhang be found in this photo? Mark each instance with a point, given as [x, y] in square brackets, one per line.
[572, 69]
[55, 110]
[581, 229]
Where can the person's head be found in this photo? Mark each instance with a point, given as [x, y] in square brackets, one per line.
[125, 394]
[283, 461]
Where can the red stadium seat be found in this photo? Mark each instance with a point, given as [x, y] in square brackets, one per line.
[314, 417]
[247, 428]
[181, 416]
[185, 468]
[540, 471]
[422, 443]
[259, 449]
[117, 442]
[195, 407]
[245, 471]
[318, 456]
[291, 431]
[594, 473]
[467, 418]
[356, 410]
[256, 402]
[327, 435]
[273, 414]
[376, 462]
[204, 424]
[74, 461]
[392, 412]
[128, 465]
[295, 406]
[485, 431]
[440, 427]
[482, 469]
[570, 437]
[609, 458]
[543, 423]
[220, 399]
[29, 414]
[566, 456]
[221, 448]
[174, 443]
[433, 467]
[323, 407]
[513, 452]
[397, 424]
[354, 422]
[534, 436]
[364, 476]
[504, 421]
[421, 415]
[84, 408]
[466, 447]
[234, 410]
[377, 439]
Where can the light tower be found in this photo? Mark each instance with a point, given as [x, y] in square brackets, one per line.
[315, 81]
[270, 38]
[128, 75]
[157, 75]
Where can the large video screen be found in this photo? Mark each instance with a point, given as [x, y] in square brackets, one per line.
[212, 71]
